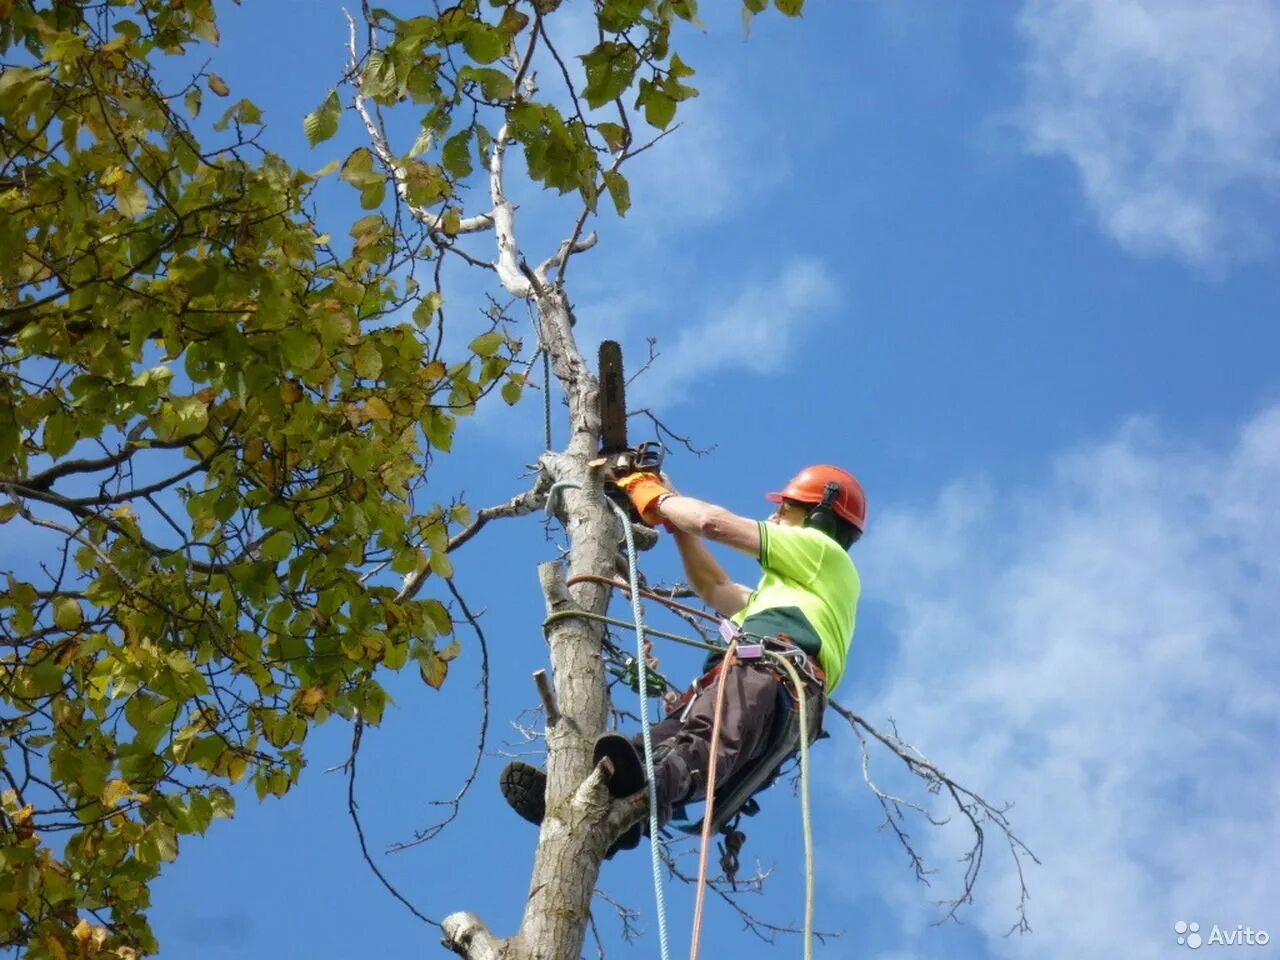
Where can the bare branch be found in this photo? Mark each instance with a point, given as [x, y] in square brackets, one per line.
[399, 175]
[663, 430]
[975, 809]
[468, 936]
[548, 697]
[517, 506]
[504, 224]
[561, 256]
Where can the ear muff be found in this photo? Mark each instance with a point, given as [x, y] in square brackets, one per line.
[823, 517]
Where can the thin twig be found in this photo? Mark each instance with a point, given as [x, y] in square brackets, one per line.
[352, 807]
[455, 803]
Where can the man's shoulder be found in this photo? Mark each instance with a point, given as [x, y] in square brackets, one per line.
[799, 536]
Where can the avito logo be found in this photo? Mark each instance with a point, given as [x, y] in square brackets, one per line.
[1189, 935]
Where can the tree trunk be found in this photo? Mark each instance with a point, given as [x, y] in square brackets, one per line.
[574, 834]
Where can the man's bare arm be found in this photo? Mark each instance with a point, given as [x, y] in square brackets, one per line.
[695, 518]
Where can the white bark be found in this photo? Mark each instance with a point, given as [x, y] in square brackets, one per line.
[466, 935]
[399, 176]
[504, 224]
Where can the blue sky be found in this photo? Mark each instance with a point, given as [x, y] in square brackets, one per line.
[1015, 265]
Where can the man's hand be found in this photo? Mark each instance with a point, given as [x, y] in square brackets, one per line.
[644, 490]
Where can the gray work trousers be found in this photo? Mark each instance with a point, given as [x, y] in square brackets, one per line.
[682, 742]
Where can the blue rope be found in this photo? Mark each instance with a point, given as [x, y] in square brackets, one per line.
[634, 578]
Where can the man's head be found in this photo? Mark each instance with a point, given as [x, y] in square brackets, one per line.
[825, 497]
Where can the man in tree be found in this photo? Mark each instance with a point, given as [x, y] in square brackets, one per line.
[807, 599]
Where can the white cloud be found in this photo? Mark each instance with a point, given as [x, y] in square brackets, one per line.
[758, 331]
[1102, 651]
[1167, 110]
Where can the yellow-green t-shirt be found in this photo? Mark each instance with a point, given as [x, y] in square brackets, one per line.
[809, 580]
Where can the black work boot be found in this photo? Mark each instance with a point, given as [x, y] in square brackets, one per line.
[524, 787]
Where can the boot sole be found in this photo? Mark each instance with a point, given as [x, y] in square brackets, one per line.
[524, 787]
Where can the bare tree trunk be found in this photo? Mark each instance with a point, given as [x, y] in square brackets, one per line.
[574, 834]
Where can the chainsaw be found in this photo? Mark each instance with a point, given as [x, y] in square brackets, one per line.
[621, 458]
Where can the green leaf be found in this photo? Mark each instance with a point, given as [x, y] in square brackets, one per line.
[496, 85]
[439, 616]
[59, 434]
[322, 124]
[358, 170]
[439, 427]
[440, 564]
[159, 844]
[368, 361]
[511, 391]
[131, 198]
[487, 344]
[183, 417]
[611, 68]
[615, 136]
[457, 154]
[619, 191]
[379, 79]
[67, 614]
[790, 8]
[277, 546]
[224, 805]
[617, 16]
[483, 43]
[659, 108]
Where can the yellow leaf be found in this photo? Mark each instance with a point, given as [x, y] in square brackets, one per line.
[236, 768]
[21, 817]
[131, 198]
[218, 85]
[375, 408]
[116, 791]
[55, 948]
[433, 671]
[253, 450]
[291, 391]
[82, 931]
[8, 511]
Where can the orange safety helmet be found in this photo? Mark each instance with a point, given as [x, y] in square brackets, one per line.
[809, 485]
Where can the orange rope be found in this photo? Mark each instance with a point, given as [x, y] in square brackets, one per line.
[709, 813]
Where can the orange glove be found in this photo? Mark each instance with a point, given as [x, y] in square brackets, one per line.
[645, 490]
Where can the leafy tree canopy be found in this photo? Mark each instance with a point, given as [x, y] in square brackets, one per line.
[215, 423]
